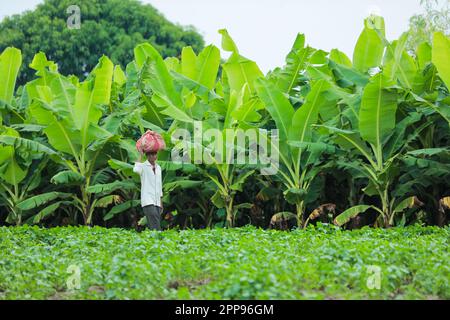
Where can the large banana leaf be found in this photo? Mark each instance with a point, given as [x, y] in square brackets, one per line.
[68, 178]
[369, 49]
[40, 88]
[106, 201]
[170, 109]
[119, 77]
[158, 77]
[399, 64]
[239, 70]
[127, 205]
[423, 53]
[47, 211]
[318, 66]
[306, 116]
[397, 140]
[41, 199]
[351, 141]
[347, 76]
[181, 184]
[70, 111]
[441, 56]
[192, 85]
[10, 61]
[203, 69]
[278, 106]
[10, 171]
[377, 112]
[188, 62]
[91, 94]
[350, 213]
[227, 42]
[30, 145]
[236, 100]
[340, 57]
[296, 61]
[109, 187]
[12, 141]
[153, 113]
[247, 112]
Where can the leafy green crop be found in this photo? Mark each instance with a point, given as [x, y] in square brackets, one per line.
[321, 262]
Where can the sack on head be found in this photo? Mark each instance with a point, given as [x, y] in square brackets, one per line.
[150, 142]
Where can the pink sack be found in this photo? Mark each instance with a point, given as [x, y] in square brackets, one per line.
[150, 141]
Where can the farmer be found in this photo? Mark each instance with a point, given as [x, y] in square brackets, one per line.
[151, 188]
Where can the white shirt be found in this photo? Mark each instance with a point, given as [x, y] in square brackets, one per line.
[151, 183]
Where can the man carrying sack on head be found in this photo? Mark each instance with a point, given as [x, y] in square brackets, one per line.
[151, 180]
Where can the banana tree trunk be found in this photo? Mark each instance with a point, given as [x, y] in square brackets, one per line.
[230, 215]
[386, 210]
[19, 218]
[386, 218]
[299, 209]
[87, 215]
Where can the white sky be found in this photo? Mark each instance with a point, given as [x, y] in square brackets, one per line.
[264, 30]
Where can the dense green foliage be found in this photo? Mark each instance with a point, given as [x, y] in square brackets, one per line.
[317, 263]
[361, 142]
[110, 27]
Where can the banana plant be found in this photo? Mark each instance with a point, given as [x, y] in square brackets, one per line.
[70, 112]
[381, 122]
[188, 91]
[22, 162]
[294, 101]
[301, 146]
[239, 110]
[382, 143]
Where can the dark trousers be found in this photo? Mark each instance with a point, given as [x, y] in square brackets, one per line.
[153, 215]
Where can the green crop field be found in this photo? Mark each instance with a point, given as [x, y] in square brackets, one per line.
[321, 262]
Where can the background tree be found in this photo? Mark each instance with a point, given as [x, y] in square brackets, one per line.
[436, 18]
[110, 27]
